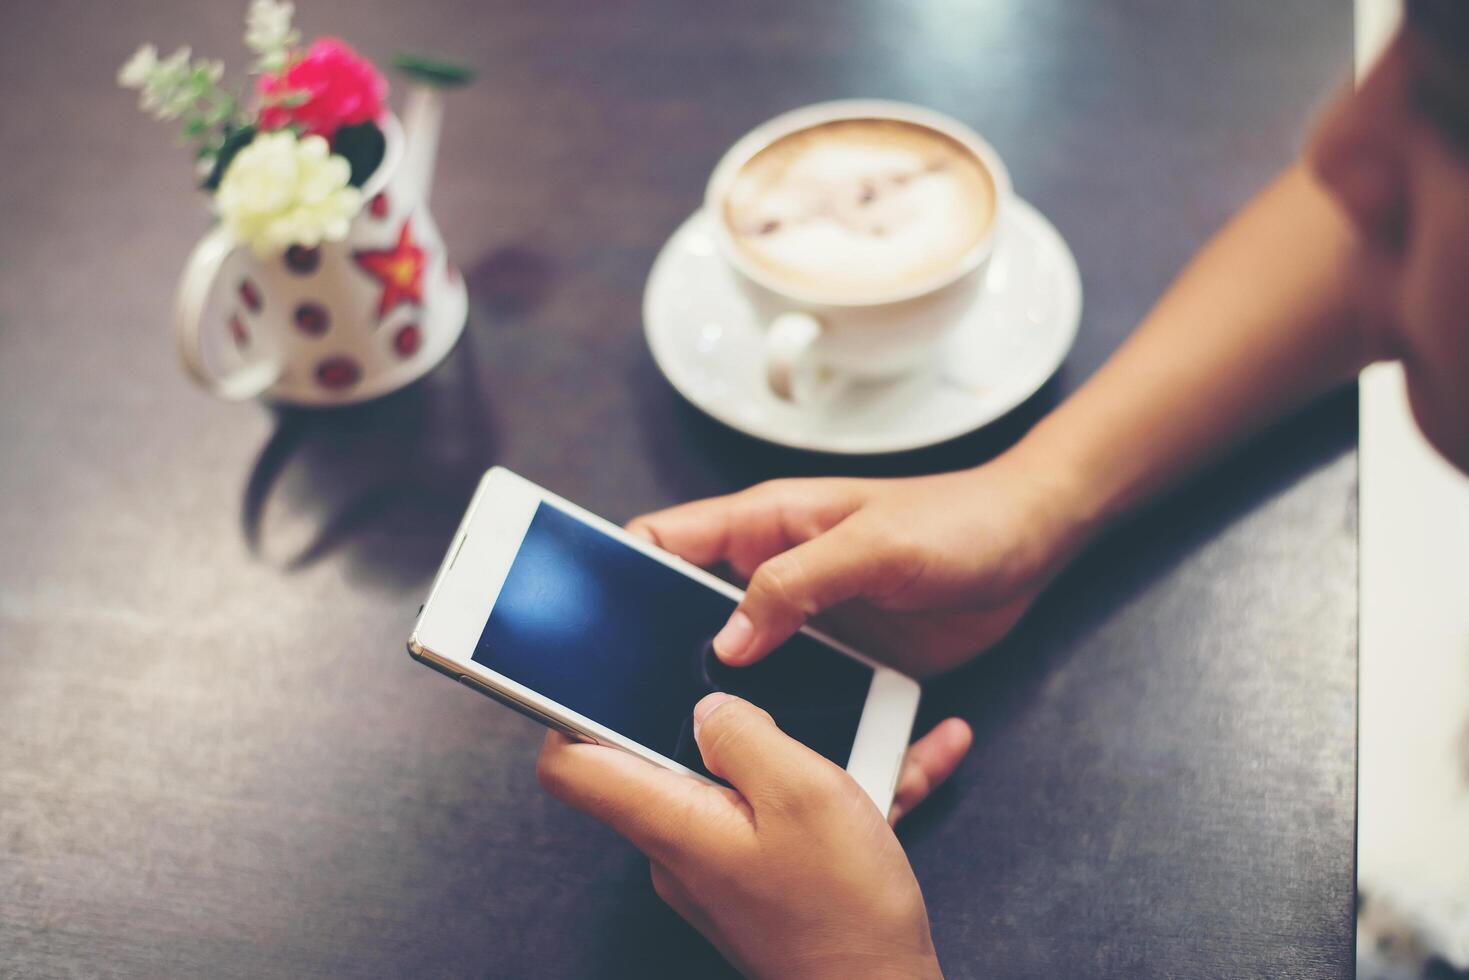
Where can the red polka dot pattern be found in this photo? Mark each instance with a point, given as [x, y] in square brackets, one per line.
[302, 260]
[378, 206]
[312, 319]
[250, 295]
[407, 340]
[239, 332]
[338, 373]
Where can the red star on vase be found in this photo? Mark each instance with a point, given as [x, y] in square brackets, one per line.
[399, 269]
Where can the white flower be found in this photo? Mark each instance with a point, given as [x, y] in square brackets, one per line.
[168, 89]
[281, 191]
[166, 101]
[268, 24]
[212, 68]
[269, 34]
[139, 67]
[177, 63]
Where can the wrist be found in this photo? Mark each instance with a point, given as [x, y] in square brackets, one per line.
[1068, 504]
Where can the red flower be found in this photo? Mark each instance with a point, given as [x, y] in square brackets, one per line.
[341, 88]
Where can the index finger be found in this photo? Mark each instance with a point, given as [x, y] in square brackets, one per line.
[746, 528]
[701, 532]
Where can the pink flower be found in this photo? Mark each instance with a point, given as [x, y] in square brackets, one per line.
[341, 88]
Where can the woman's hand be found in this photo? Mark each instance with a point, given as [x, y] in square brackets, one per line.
[793, 873]
[925, 572]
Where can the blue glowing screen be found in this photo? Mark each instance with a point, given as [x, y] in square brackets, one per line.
[614, 635]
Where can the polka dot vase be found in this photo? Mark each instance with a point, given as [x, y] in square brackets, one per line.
[336, 322]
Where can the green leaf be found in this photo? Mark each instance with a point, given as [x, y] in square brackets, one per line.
[217, 114]
[363, 146]
[234, 141]
[435, 72]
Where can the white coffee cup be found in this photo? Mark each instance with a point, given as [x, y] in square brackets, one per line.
[816, 339]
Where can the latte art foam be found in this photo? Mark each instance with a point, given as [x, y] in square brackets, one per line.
[859, 209]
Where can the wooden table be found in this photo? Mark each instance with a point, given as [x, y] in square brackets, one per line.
[215, 759]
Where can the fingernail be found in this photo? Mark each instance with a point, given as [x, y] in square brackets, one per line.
[734, 639]
[707, 704]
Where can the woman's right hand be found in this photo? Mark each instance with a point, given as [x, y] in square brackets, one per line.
[925, 572]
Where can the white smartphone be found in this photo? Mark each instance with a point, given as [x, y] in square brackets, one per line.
[570, 620]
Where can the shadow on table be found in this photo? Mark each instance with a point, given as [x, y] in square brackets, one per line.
[387, 478]
[997, 687]
[644, 937]
[510, 282]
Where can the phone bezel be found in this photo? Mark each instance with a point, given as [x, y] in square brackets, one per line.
[474, 571]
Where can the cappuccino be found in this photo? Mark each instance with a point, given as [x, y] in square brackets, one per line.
[858, 210]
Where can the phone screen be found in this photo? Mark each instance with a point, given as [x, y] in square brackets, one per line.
[625, 640]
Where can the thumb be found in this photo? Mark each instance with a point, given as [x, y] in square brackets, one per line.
[795, 585]
[647, 804]
[742, 744]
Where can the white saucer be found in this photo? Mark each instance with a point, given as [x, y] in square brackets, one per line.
[708, 344]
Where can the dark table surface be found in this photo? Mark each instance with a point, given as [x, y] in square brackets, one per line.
[215, 759]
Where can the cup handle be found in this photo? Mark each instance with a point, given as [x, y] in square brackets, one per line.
[200, 272]
[788, 368]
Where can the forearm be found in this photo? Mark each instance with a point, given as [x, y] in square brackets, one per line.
[1260, 322]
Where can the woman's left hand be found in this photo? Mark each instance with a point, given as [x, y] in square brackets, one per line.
[793, 872]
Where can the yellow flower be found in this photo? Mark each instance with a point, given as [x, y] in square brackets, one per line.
[281, 191]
